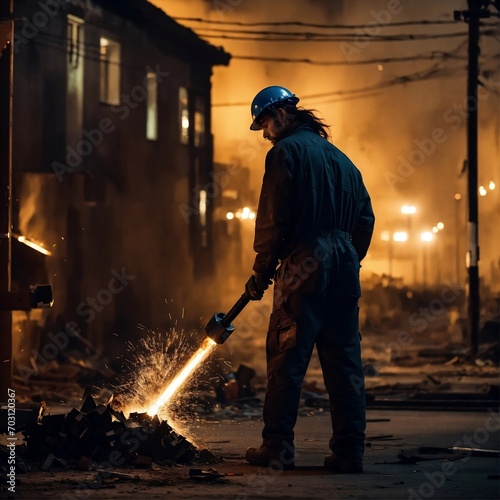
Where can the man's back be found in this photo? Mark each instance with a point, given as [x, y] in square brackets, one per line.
[329, 193]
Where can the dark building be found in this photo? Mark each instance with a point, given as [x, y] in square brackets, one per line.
[112, 157]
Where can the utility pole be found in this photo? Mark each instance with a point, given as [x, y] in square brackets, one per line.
[472, 164]
[6, 84]
[477, 10]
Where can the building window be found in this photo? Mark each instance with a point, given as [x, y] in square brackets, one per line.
[74, 76]
[75, 41]
[199, 122]
[202, 206]
[152, 107]
[109, 71]
[184, 115]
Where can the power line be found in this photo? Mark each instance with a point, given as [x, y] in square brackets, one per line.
[89, 57]
[278, 37]
[92, 53]
[431, 73]
[377, 89]
[95, 49]
[312, 34]
[453, 55]
[382, 60]
[312, 25]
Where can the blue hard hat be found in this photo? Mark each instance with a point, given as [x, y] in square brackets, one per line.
[270, 96]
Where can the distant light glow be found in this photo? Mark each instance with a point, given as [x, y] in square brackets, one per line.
[202, 205]
[230, 216]
[435, 229]
[458, 196]
[400, 236]
[408, 209]
[492, 185]
[482, 191]
[103, 46]
[245, 213]
[426, 236]
[385, 235]
[440, 226]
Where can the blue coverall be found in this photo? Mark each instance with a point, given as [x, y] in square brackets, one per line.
[315, 220]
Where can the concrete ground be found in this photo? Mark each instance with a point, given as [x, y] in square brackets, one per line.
[440, 476]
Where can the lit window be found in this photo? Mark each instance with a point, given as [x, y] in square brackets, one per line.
[184, 115]
[203, 218]
[203, 207]
[75, 41]
[109, 91]
[152, 108]
[199, 122]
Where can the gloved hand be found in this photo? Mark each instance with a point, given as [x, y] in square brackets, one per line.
[256, 286]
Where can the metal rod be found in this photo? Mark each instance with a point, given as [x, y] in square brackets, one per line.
[235, 310]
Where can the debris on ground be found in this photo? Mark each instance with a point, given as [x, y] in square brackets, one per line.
[422, 454]
[425, 453]
[210, 474]
[98, 437]
[236, 386]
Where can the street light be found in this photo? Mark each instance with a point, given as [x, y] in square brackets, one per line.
[400, 236]
[425, 237]
[410, 210]
[389, 236]
[458, 226]
[438, 227]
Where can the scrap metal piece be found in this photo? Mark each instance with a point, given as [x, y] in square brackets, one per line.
[477, 452]
[210, 474]
[106, 473]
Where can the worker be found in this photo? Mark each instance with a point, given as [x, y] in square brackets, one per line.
[313, 227]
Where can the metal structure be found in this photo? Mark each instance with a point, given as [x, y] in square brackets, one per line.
[477, 10]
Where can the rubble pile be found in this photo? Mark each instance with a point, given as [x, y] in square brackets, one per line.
[97, 435]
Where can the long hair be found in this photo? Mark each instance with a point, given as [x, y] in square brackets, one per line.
[300, 116]
[307, 117]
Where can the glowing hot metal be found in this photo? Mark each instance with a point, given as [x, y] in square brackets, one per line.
[204, 350]
[218, 329]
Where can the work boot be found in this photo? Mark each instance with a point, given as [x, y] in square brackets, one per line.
[264, 456]
[343, 465]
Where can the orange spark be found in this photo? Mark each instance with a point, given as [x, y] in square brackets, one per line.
[197, 358]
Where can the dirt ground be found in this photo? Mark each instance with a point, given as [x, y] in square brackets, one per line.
[432, 366]
[441, 474]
